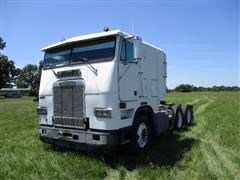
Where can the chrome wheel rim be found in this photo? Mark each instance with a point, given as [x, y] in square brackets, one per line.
[142, 135]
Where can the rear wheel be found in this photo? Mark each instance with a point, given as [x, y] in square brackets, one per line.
[178, 119]
[187, 114]
[141, 138]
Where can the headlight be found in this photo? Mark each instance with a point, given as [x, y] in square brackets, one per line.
[42, 111]
[103, 112]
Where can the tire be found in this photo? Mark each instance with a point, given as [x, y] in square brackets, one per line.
[141, 134]
[187, 114]
[178, 118]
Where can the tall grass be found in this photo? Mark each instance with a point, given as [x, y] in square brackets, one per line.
[209, 149]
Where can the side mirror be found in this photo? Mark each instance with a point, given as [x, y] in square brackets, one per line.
[131, 50]
[137, 50]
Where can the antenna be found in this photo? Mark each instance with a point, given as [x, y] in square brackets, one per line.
[132, 25]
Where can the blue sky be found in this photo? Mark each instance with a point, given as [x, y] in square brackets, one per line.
[200, 38]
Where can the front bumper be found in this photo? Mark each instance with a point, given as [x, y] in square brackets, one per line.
[88, 140]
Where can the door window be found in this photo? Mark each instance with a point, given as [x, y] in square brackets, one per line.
[126, 51]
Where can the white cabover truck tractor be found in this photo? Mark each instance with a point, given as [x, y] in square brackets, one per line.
[103, 90]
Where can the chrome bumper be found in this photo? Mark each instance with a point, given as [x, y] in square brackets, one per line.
[52, 135]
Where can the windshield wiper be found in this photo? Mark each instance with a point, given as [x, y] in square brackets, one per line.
[83, 59]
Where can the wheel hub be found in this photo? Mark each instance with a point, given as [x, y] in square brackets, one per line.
[142, 135]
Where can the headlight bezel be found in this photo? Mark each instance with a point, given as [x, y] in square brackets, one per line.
[103, 112]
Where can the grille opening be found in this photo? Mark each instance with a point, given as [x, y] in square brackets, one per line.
[75, 137]
[67, 134]
[96, 137]
[68, 107]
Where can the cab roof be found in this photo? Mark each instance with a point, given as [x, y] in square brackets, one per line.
[85, 37]
[92, 36]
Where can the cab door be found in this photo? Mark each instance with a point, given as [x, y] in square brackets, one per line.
[128, 74]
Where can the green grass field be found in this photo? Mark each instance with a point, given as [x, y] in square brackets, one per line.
[209, 149]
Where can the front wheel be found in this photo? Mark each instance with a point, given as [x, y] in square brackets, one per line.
[141, 134]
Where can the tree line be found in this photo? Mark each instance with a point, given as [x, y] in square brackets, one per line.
[10, 75]
[191, 88]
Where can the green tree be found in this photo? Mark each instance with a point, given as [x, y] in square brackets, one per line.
[184, 88]
[8, 72]
[29, 78]
[189, 88]
[2, 44]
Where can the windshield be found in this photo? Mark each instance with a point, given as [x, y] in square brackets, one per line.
[57, 58]
[82, 52]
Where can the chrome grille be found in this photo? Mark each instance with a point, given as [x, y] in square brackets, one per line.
[68, 122]
[68, 105]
